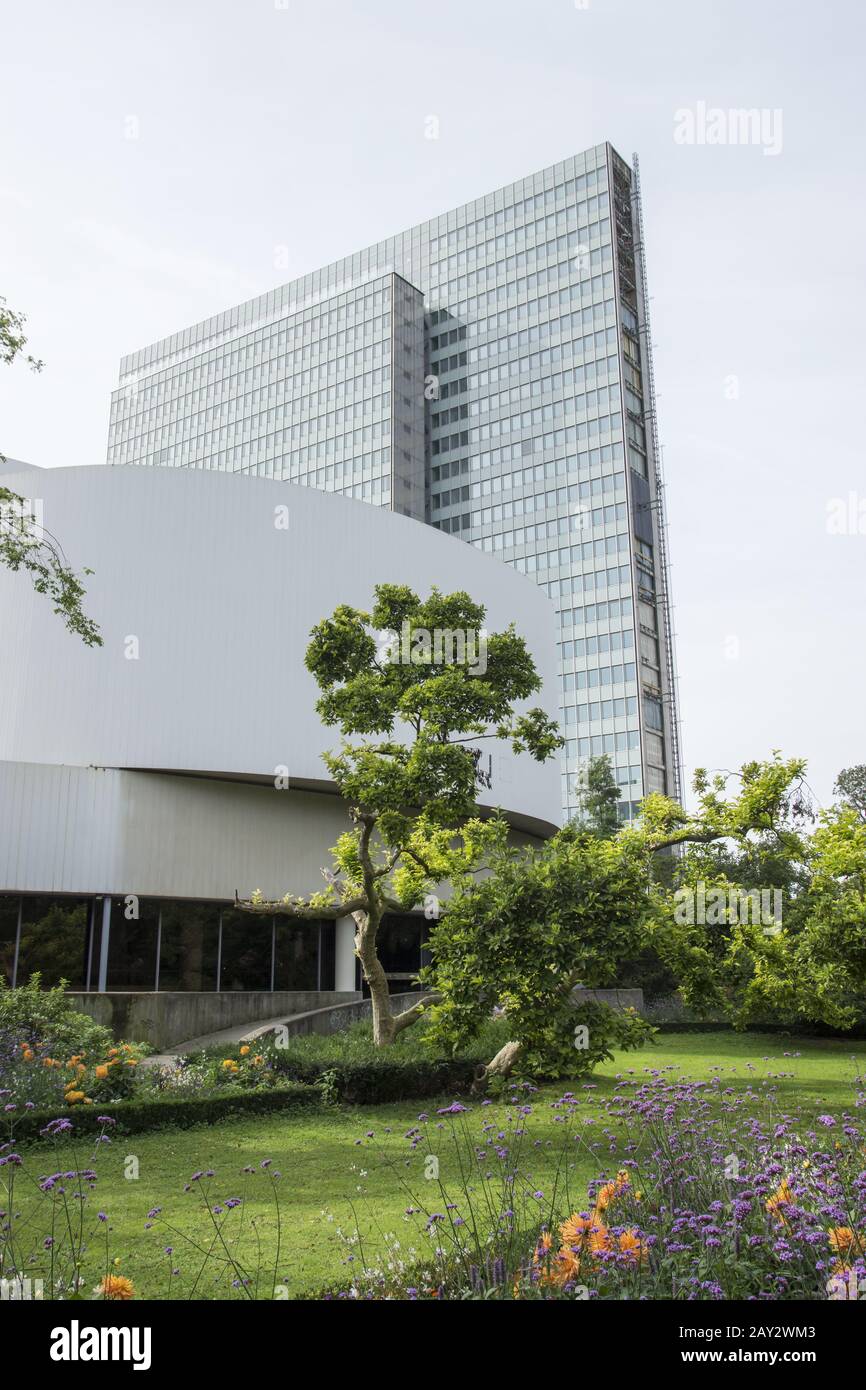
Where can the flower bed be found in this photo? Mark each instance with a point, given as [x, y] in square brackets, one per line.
[713, 1196]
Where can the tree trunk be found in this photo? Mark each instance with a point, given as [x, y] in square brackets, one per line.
[384, 1030]
[500, 1065]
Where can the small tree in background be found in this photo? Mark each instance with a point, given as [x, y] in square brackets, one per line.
[598, 798]
[23, 546]
[411, 716]
[851, 786]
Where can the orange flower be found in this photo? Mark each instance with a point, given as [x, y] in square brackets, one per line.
[783, 1196]
[102, 1071]
[576, 1229]
[73, 1096]
[844, 1242]
[244, 1050]
[116, 1286]
[611, 1190]
[632, 1247]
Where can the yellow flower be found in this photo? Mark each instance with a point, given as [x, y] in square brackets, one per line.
[244, 1050]
[116, 1286]
[73, 1096]
[230, 1064]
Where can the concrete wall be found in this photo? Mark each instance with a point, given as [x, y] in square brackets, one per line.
[334, 1018]
[614, 998]
[169, 1018]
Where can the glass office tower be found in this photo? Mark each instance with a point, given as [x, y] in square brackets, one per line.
[490, 372]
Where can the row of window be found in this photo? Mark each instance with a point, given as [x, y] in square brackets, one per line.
[182, 946]
[167, 946]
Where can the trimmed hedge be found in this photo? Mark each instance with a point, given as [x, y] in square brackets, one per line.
[136, 1116]
[368, 1083]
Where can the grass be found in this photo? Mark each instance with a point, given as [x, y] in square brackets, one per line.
[327, 1179]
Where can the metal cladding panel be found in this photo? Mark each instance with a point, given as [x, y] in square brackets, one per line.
[94, 830]
[205, 602]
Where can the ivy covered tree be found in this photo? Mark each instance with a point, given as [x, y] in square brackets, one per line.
[25, 546]
[414, 686]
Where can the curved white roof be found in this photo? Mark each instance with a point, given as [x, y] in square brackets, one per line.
[205, 603]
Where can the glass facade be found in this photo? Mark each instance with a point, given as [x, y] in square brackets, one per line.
[167, 946]
[487, 371]
[331, 396]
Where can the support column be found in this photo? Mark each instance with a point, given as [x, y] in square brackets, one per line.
[103, 945]
[344, 972]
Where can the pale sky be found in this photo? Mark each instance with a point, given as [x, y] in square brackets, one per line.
[155, 155]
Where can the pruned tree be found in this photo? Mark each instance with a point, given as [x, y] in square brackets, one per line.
[413, 686]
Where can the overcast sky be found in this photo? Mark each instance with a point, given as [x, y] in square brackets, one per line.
[156, 157]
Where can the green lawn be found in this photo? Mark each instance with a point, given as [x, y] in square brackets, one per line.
[325, 1175]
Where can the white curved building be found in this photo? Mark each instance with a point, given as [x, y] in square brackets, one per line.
[141, 776]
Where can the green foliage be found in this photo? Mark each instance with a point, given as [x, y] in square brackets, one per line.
[369, 688]
[13, 339]
[21, 546]
[410, 706]
[598, 798]
[48, 1016]
[349, 1068]
[808, 967]
[851, 786]
[543, 922]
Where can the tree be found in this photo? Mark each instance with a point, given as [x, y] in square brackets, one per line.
[851, 786]
[599, 798]
[544, 921]
[416, 685]
[578, 908]
[23, 544]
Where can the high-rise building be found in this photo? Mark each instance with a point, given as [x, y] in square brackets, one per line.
[490, 372]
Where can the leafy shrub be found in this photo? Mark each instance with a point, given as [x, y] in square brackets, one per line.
[346, 1066]
[48, 1016]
